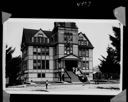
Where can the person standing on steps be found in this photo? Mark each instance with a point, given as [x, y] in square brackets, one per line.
[62, 74]
[73, 69]
[46, 84]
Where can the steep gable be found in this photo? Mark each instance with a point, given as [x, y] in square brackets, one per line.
[82, 36]
[40, 33]
[29, 33]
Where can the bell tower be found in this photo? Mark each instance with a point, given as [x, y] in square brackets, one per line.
[67, 37]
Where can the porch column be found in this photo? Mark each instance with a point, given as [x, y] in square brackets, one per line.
[63, 63]
[57, 64]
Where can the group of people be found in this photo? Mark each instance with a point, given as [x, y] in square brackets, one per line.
[80, 73]
[77, 71]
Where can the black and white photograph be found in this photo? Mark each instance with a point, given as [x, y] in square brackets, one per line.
[62, 56]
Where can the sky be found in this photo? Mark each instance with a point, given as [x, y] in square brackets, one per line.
[97, 31]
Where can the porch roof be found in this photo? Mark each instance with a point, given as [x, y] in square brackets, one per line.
[70, 56]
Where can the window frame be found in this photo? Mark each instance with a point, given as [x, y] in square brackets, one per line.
[87, 65]
[41, 75]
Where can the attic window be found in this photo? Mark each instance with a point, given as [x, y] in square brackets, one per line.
[40, 34]
[81, 38]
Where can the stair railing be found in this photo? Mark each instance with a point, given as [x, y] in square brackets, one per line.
[68, 74]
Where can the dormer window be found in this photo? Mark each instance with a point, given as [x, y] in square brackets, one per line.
[40, 37]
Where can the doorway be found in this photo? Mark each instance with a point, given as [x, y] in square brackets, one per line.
[69, 64]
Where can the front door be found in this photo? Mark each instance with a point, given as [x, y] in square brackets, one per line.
[69, 64]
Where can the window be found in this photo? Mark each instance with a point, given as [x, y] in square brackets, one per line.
[84, 64]
[34, 53]
[87, 65]
[36, 39]
[84, 52]
[47, 50]
[47, 64]
[34, 61]
[40, 39]
[82, 41]
[34, 66]
[43, 64]
[80, 52]
[68, 37]
[40, 64]
[32, 39]
[67, 25]
[68, 49]
[87, 53]
[80, 37]
[46, 40]
[39, 67]
[40, 34]
[41, 75]
[41, 50]
[34, 49]
[55, 50]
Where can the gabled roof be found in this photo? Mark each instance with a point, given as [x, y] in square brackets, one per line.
[89, 44]
[29, 33]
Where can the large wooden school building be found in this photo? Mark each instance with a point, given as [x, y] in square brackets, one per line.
[44, 53]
